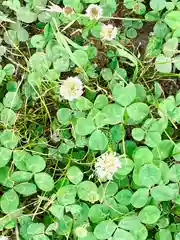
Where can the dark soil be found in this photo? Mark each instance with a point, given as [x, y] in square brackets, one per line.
[141, 41]
[120, 12]
[139, 44]
[101, 59]
[170, 86]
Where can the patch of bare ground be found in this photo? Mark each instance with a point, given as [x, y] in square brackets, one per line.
[170, 86]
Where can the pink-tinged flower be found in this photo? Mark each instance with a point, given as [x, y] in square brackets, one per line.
[71, 88]
[107, 165]
[54, 8]
[108, 32]
[94, 12]
[68, 11]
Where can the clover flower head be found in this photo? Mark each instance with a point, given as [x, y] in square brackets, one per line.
[108, 32]
[71, 88]
[55, 137]
[67, 11]
[3, 238]
[94, 12]
[54, 8]
[107, 165]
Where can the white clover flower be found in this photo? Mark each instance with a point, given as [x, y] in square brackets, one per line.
[71, 88]
[3, 238]
[55, 138]
[54, 8]
[108, 32]
[67, 11]
[94, 12]
[106, 165]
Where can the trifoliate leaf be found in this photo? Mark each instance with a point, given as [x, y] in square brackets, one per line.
[8, 139]
[5, 154]
[163, 193]
[9, 201]
[35, 163]
[140, 198]
[75, 175]
[105, 229]
[163, 64]
[26, 189]
[124, 95]
[98, 141]
[149, 214]
[149, 175]
[44, 181]
[88, 191]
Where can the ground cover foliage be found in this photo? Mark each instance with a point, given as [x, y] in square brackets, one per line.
[89, 139]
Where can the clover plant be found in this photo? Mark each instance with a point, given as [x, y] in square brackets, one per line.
[89, 146]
